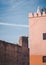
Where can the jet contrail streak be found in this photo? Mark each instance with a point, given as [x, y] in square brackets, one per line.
[14, 25]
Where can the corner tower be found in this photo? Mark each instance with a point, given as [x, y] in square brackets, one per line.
[37, 37]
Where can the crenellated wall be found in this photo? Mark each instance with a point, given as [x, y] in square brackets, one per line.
[39, 14]
[37, 28]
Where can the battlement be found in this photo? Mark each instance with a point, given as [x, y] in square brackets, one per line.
[39, 14]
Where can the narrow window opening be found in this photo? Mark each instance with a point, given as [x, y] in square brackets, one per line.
[44, 59]
[44, 36]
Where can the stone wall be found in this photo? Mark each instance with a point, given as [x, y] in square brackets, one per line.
[13, 54]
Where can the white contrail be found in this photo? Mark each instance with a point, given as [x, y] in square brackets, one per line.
[15, 25]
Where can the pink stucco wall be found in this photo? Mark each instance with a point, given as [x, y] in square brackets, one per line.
[37, 26]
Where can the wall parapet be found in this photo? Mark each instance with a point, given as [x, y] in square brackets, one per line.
[39, 14]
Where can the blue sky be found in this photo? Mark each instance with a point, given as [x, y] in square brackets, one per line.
[14, 14]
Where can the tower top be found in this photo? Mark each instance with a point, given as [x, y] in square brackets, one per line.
[39, 12]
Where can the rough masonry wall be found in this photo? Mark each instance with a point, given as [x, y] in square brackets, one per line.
[8, 54]
[12, 54]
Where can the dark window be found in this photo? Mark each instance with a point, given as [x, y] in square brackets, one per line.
[44, 36]
[44, 58]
